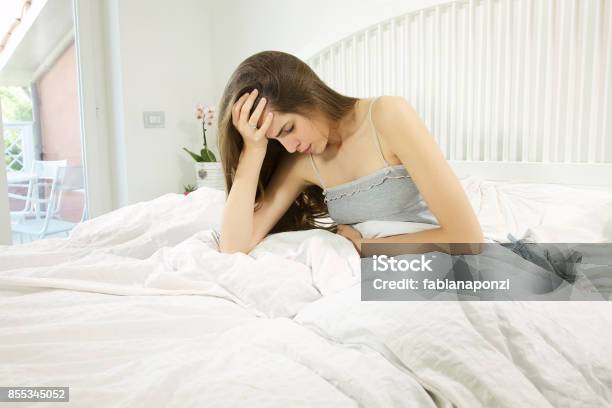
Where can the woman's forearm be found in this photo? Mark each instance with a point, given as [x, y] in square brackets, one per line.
[436, 239]
[237, 224]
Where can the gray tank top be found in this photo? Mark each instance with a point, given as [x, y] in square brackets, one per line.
[388, 194]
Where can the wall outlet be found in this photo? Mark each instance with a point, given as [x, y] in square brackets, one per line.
[154, 119]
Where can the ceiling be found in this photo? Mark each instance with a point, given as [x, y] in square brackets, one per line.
[43, 34]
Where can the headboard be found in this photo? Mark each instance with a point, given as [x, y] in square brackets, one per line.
[511, 89]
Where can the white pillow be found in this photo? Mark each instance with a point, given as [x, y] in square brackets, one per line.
[593, 224]
[379, 229]
[544, 212]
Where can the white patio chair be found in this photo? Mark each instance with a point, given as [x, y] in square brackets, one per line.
[44, 169]
[67, 178]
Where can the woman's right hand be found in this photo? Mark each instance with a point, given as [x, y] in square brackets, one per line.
[252, 136]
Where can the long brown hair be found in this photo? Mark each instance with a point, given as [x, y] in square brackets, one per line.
[289, 86]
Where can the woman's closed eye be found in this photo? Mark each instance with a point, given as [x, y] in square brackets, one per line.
[284, 133]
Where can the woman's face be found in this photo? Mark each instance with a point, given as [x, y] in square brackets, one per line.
[297, 133]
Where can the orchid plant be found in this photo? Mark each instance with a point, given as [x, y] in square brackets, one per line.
[206, 116]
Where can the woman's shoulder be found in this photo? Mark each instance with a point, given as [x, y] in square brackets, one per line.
[390, 110]
[386, 107]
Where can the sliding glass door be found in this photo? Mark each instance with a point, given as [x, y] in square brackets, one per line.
[41, 120]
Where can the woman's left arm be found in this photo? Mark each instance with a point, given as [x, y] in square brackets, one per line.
[400, 127]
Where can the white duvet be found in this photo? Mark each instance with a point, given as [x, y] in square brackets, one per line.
[138, 308]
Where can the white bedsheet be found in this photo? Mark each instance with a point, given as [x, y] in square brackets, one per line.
[137, 308]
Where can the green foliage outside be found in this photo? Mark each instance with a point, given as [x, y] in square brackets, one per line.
[16, 107]
[16, 104]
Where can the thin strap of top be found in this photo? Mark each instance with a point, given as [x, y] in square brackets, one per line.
[376, 134]
[314, 166]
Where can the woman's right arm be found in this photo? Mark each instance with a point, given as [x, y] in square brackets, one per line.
[242, 228]
[237, 225]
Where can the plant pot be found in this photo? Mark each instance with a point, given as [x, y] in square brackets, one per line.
[210, 174]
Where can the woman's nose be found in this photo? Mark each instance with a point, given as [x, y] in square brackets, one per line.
[292, 145]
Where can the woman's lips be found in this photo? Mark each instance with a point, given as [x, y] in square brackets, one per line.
[308, 150]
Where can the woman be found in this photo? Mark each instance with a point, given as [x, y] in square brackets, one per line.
[295, 151]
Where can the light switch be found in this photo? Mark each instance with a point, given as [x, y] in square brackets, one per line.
[155, 119]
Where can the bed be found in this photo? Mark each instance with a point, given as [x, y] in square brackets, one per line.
[138, 307]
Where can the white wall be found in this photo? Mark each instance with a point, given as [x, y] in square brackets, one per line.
[160, 60]
[243, 28]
